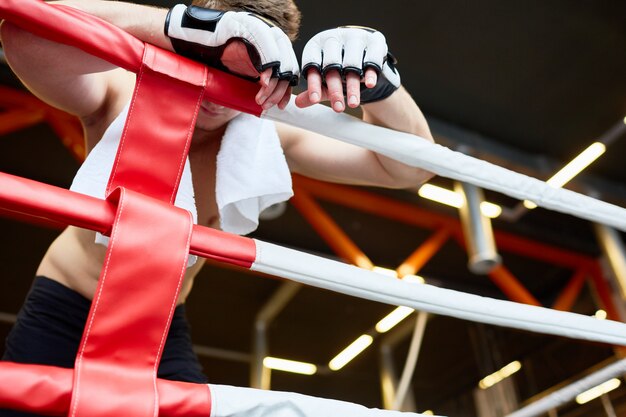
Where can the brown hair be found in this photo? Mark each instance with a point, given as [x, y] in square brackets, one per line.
[283, 13]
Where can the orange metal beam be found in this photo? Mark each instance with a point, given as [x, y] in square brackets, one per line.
[410, 214]
[511, 287]
[424, 253]
[332, 234]
[10, 97]
[570, 293]
[372, 203]
[17, 119]
[27, 110]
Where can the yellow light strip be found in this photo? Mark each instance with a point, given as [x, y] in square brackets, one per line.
[529, 205]
[414, 279]
[440, 195]
[600, 315]
[351, 352]
[494, 378]
[289, 366]
[393, 318]
[573, 168]
[582, 161]
[598, 390]
[385, 271]
[490, 210]
[453, 199]
[400, 313]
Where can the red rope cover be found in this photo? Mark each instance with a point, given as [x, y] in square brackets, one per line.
[32, 201]
[115, 372]
[69, 26]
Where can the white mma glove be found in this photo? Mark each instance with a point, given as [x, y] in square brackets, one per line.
[203, 34]
[354, 49]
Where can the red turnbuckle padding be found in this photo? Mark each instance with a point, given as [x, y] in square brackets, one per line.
[116, 365]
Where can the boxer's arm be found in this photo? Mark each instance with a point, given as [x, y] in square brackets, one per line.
[142, 21]
[71, 79]
[62, 76]
[369, 74]
[81, 84]
[400, 112]
[320, 157]
[181, 31]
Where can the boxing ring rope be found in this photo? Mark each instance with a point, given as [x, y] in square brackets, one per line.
[403, 147]
[28, 196]
[442, 161]
[39, 200]
[568, 393]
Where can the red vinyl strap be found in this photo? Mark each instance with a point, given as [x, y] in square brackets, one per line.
[158, 130]
[116, 365]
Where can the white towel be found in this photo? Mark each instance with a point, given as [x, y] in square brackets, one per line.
[252, 173]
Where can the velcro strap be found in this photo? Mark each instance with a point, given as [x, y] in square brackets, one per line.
[159, 127]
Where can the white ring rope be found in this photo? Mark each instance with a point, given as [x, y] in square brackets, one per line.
[415, 151]
[348, 279]
[228, 401]
[568, 393]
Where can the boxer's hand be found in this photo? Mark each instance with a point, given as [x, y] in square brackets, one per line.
[350, 60]
[238, 42]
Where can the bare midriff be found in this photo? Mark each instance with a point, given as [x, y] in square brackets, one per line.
[75, 260]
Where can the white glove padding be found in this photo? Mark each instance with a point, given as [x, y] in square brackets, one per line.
[202, 34]
[354, 49]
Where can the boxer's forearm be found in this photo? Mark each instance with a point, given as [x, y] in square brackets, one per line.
[399, 112]
[144, 22]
